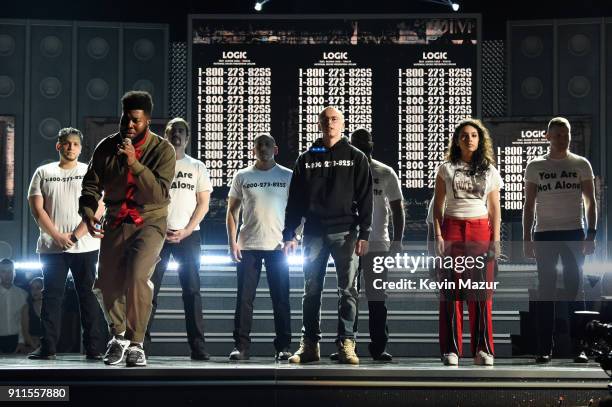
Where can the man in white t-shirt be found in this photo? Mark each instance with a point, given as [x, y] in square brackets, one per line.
[261, 191]
[559, 189]
[64, 244]
[189, 199]
[388, 202]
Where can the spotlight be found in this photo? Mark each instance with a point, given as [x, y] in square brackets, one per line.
[259, 5]
[28, 265]
[449, 3]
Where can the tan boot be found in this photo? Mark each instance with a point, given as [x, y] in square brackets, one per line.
[346, 352]
[308, 352]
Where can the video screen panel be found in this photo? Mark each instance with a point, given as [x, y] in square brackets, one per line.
[7, 167]
[408, 80]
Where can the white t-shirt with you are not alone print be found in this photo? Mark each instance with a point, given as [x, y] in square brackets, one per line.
[559, 204]
[467, 192]
[190, 177]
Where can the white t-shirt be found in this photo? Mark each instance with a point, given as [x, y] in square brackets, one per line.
[466, 194]
[60, 190]
[559, 204]
[11, 303]
[430, 211]
[264, 197]
[385, 188]
[190, 177]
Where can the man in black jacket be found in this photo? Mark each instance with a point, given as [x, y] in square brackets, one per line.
[331, 188]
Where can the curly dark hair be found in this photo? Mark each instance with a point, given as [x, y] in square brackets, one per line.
[483, 156]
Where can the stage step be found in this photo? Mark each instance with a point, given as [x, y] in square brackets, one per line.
[263, 321]
[413, 315]
[225, 298]
[225, 277]
[400, 345]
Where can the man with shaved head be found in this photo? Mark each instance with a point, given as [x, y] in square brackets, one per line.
[261, 191]
[331, 188]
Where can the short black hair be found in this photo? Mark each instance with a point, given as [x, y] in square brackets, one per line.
[137, 100]
[63, 134]
[559, 122]
[362, 139]
[177, 120]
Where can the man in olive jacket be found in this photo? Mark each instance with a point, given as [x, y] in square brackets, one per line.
[133, 169]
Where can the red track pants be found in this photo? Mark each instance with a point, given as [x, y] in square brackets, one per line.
[467, 237]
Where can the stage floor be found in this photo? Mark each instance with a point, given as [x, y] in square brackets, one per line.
[261, 381]
[402, 370]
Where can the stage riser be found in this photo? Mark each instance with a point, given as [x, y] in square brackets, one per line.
[227, 279]
[328, 324]
[279, 395]
[172, 300]
[414, 349]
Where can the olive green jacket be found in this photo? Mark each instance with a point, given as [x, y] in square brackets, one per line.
[107, 174]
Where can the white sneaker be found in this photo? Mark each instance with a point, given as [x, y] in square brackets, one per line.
[450, 359]
[115, 352]
[483, 358]
[135, 356]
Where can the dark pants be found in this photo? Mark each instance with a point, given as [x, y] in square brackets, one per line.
[187, 255]
[317, 249]
[377, 309]
[277, 273]
[8, 344]
[55, 270]
[550, 247]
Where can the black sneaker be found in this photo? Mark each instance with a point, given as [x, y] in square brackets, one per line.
[383, 357]
[115, 352]
[581, 358]
[543, 359]
[379, 354]
[135, 356]
[282, 355]
[238, 354]
[334, 356]
[41, 354]
[199, 355]
[93, 355]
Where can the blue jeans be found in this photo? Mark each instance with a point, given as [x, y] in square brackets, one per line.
[317, 249]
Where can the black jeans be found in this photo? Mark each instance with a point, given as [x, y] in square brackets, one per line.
[550, 246]
[377, 309]
[55, 270]
[277, 273]
[187, 255]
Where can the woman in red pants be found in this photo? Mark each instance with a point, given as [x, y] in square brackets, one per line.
[467, 219]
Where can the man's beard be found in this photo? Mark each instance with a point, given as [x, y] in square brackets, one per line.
[67, 158]
[176, 141]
